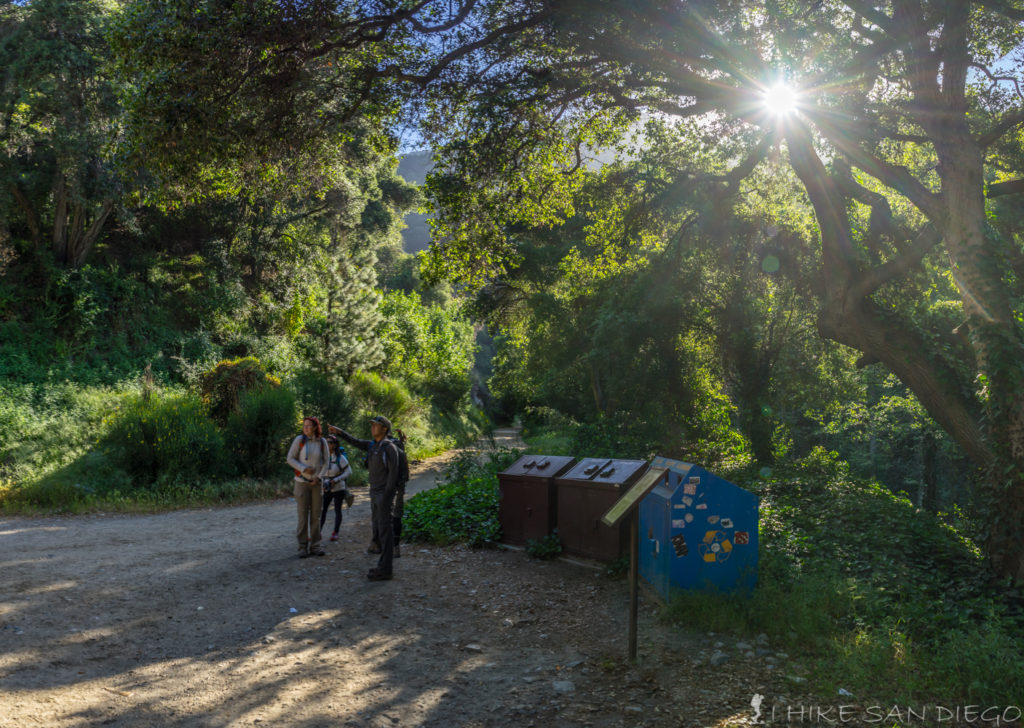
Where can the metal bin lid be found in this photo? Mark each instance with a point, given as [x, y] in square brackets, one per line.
[620, 471]
[540, 466]
[586, 469]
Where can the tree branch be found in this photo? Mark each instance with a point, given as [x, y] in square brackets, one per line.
[892, 176]
[1008, 122]
[1011, 187]
[874, 278]
[1002, 8]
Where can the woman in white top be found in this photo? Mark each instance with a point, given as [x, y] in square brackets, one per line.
[308, 457]
[335, 485]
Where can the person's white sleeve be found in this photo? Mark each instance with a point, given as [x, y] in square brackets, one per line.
[293, 455]
[325, 459]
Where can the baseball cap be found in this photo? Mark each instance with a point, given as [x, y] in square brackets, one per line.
[382, 420]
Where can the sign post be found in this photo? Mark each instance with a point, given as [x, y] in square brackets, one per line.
[627, 504]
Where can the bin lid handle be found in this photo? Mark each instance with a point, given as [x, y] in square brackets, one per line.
[607, 472]
[529, 463]
[590, 468]
[543, 464]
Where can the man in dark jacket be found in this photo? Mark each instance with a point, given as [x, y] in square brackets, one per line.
[383, 473]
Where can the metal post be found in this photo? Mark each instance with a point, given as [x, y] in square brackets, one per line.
[634, 529]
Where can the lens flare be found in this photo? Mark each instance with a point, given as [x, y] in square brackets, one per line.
[781, 99]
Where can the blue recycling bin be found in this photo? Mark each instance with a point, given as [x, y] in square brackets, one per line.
[697, 531]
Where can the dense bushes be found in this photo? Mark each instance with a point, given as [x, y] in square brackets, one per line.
[464, 507]
[259, 433]
[68, 447]
[224, 386]
[165, 437]
[381, 395]
[324, 398]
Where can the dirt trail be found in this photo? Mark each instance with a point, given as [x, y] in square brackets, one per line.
[207, 618]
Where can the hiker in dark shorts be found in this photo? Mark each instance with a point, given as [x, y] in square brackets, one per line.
[382, 464]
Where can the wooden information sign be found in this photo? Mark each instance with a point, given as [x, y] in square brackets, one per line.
[631, 497]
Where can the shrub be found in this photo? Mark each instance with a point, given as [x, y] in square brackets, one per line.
[164, 437]
[325, 398]
[886, 600]
[620, 436]
[258, 435]
[44, 428]
[377, 395]
[544, 548]
[461, 512]
[464, 508]
[224, 386]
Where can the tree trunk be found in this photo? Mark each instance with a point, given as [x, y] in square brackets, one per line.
[72, 240]
[998, 349]
[595, 388]
[28, 212]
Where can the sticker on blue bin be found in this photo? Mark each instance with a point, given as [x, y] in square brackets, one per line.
[679, 544]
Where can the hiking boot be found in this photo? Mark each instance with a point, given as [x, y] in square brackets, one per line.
[334, 536]
[317, 552]
[377, 575]
[303, 554]
[373, 548]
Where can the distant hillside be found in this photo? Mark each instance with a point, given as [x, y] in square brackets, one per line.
[413, 167]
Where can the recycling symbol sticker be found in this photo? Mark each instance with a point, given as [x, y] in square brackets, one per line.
[716, 547]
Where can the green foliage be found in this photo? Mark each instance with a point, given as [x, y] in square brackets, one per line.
[326, 399]
[159, 438]
[45, 428]
[618, 436]
[60, 127]
[381, 395]
[463, 508]
[544, 548]
[258, 434]
[883, 432]
[224, 386]
[429, 346]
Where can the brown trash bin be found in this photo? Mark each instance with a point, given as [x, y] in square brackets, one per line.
[527, 504]
[584, 494]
